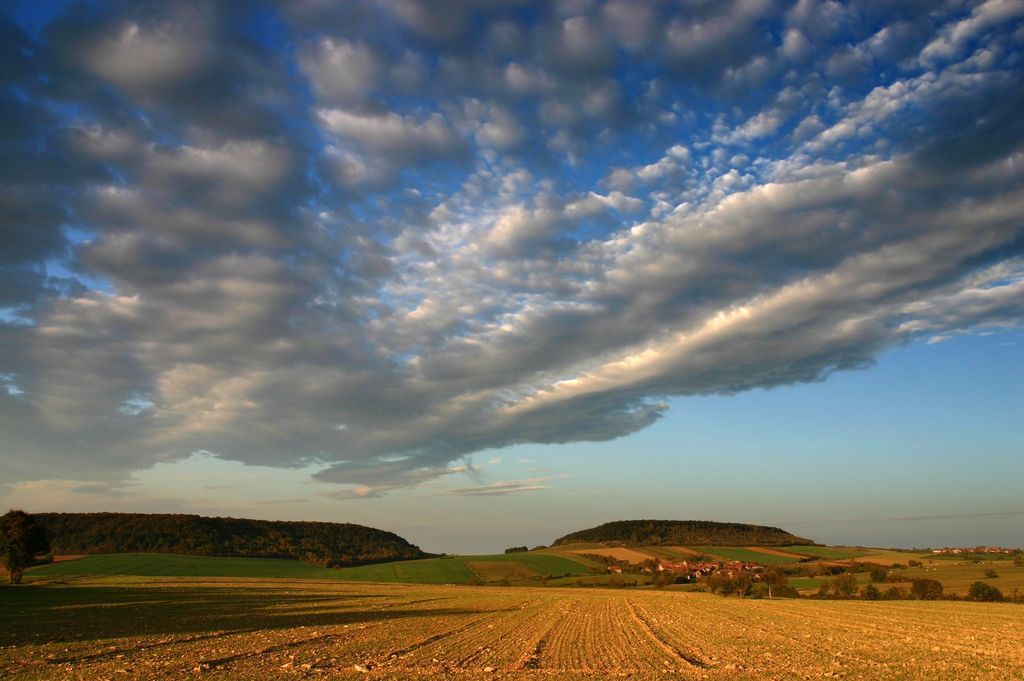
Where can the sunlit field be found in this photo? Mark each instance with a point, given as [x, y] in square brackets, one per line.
[92, 628]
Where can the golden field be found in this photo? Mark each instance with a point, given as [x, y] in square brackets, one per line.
[163, 628]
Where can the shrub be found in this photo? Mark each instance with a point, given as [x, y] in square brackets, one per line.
[980, 591]
[845, 585]
[914, 563]
[870, 593]
[991, 574]
[879, 574]
[894, 593]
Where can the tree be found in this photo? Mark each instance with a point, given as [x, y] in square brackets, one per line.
[879, 574]
[21, 539]
[926, 589]
[981, 591]
[845, 585]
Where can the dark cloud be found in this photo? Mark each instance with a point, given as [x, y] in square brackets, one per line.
[377, 239]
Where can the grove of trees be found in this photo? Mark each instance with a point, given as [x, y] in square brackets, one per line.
[328, 544]
[684, 533]
[22, 538]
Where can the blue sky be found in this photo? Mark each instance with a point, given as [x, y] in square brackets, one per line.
[514, 269]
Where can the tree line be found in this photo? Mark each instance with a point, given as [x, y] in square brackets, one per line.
[321, 543]
[684, 533]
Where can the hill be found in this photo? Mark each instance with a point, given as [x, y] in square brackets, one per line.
[326, 544]
[683, 533]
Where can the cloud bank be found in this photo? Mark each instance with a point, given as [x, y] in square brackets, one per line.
[382, 236]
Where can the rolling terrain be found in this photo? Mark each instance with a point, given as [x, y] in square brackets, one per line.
[152, 628]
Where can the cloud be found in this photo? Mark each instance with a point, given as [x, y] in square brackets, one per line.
[371, 240]
[504, 488]
[391, 135]
[983, 17]
[340, 71]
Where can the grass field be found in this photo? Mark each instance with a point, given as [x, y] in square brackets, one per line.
[826, 552]
[163, 628]
[451, 570]
[166, 565]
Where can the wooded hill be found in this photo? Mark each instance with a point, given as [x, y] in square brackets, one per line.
[328, 544]
[683, 533]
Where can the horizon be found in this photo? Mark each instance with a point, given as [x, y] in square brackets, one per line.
[483, 274]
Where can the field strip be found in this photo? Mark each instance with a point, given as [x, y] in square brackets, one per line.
[617, 553]
[776, 552]
[646, 626]
[683, 549]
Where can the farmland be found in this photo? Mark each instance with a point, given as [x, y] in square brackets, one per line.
[448, 570]
[746, 554]
[149, 628]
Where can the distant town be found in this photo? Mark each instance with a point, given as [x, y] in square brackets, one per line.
[977, 549]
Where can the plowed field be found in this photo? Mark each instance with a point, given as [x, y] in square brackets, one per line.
[262, 629]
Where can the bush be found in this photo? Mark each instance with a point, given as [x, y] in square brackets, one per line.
[879, 574]
[844, 585]
[980, 591]
[991, 574]
[914, 563]
[926, 589]
[870, 593]
[894, 593]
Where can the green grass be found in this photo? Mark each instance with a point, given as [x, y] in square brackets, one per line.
[452, 570]
[828, 552]
[427, 571]
[807, 582]
[738, 553]
[166, 565]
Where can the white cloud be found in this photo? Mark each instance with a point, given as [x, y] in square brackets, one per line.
[340, 71]
[983, 17]
[391, 135]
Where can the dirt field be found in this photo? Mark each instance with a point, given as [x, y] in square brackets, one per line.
[261, 629]
[618, 553]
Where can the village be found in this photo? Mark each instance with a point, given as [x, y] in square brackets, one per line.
[955, 551]
[691, 571]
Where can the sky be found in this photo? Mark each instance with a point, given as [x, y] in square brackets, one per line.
[484, 273]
